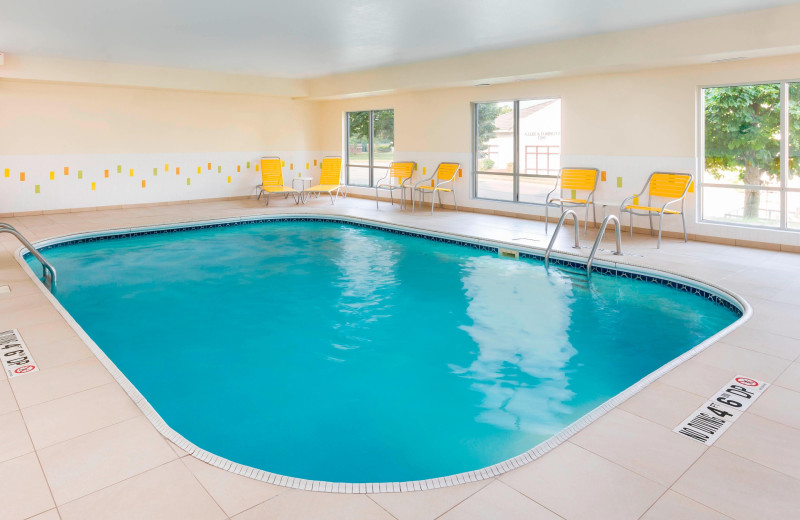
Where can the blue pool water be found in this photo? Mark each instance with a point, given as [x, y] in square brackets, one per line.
[333, 352]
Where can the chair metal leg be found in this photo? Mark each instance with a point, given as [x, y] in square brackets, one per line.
[391, 196]
[594, 214]
[660, 221]
[433, 201]
[631, 221]
[650, 216]
[685, 236]
[267, 200]
[332, 199]
[455, 202]
[586, 222]
[376, 199]
[546, 219]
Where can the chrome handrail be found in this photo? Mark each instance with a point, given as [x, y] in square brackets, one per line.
[49, 281]
[600, 237]
[555, 234]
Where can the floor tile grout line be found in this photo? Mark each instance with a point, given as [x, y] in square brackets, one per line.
[36, 454]
[196, 479]
[500, 482]
[380, 506]
[59, 443]
[758, 463]
[71, 393]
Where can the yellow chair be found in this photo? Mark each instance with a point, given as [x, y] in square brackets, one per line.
[272, 180]
[397, 178]
[329, 179]
[665, 185]
[574, 180]
[445, 174]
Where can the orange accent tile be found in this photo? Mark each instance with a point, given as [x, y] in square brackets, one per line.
[209, 166]
[143, 183]
[178, 170]
[238, 167]
[22, 176]
[603, 176]
[315, 162]
[66, 170]
[291, 166]
[459, 172]
[106, 174]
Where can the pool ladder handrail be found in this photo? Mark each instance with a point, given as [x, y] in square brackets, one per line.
[600, 237]
[555, 234]
[50, 281]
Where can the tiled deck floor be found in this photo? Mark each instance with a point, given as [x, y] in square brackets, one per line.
[74, 446]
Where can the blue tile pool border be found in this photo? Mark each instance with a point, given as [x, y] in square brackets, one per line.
[674, 280]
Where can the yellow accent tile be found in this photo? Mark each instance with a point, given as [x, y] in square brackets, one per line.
[229, 179]
[94, 186]
[166, 167]
[131, 172]
[8, 172]
[306, 166]
[636, 201]
[199, 169]
[283, 164]
[52, 176]
[256, 167]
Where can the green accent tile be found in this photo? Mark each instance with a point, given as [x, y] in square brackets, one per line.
[573, 194]
[36, 189]
[248, 164]
[219, 169]
[155, 172]
[119, 168]
[619, 182]
[80, 174]
[188, 181]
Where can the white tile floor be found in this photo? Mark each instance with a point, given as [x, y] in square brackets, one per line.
[73, 445]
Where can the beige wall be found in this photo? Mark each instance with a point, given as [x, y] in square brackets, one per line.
[647, 113]
[58, 118]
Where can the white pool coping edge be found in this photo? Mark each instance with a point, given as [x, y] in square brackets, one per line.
[384, 487]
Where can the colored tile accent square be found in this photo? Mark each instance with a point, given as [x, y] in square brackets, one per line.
[166, 167]
[256, 167]
[423, 170]
[603, 176]
[119, 168]
[460, 172]
[66, 170]
[188, 181]
[238, 167]
[573, 194]
[155, 172]
[219, 169]
[291, 166]
[283, 164]
[8, 172]
[636, 200]
[315, 162]
[248, 164]
[619, 182]
[199, 169]
[106, 174]
[22, 176]
[37, 189]
[178, 170]
[131, 172]
[143, 183]
[52, 176]
[229, 179]
[209, 166]
[306, 166]
[94, 186]
[80, 174]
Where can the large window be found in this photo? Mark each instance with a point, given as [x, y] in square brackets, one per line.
[370, 146]
[517, 149]
[751, 144]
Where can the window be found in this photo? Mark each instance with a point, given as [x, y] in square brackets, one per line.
[751, 144]
[517, 149]
[370, 146]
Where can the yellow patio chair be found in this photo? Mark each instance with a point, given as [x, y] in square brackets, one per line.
[664, 185]
[445, 174]
[574, 180]
[329, 179]
[272, 180]
[397, 178]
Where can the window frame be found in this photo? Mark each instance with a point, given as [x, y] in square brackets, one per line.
[516, 135]
[371, 146]
[783, 153]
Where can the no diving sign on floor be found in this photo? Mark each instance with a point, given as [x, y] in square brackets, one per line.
[14, 355]
[710, 420]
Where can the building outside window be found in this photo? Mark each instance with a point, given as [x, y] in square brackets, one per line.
[750, 149]
[517, 149]
[370, 146]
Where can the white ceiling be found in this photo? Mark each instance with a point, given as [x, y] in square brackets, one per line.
[309, 38]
